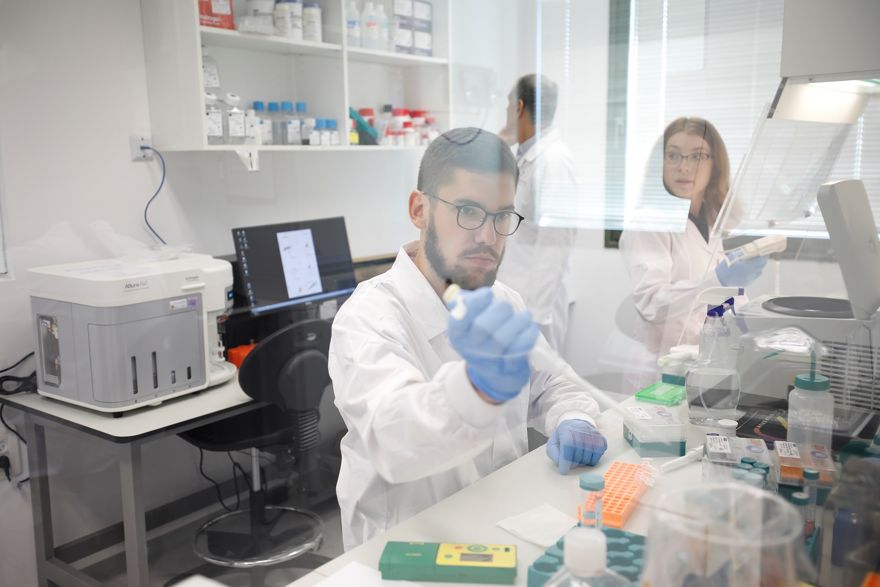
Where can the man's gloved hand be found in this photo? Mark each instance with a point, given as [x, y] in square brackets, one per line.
[495, 341]
[741, 273]
[575, 442]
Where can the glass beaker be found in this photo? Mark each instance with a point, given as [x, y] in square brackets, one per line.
[725, 534]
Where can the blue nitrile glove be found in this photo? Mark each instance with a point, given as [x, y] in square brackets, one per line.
[575, 442]
[741, 273]
[494, 340]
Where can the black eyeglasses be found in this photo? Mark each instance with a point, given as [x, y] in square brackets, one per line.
[673, 158]
[472, 217]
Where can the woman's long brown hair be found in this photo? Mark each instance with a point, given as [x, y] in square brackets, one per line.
[719, 183]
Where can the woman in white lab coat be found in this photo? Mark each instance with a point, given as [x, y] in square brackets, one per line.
[669, 269]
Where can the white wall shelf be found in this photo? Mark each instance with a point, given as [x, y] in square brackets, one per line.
[394, 59]
[253, 42]
[329, 76]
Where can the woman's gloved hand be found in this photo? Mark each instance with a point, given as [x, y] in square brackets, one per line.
[740, 273]
[495, 341]
[575, 442]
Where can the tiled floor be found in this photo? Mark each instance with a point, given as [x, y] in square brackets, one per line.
[171, 556]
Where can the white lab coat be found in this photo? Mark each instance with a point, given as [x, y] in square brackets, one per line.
[417, 430]
[537, 260]
[668, 270]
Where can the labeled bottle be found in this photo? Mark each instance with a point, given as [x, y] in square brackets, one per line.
[210, 71]
[811, 410]
[277, 125]
[594, 485]
[289, 19]
[585, 552]
[235, 121]
[384, 28]
[325, 133]
[252, 131]
[370, 26]
[353, 25]
[285, 119]
[312, 25]
[264, 124]
[315, 134]
[308, 131]
[213, 119]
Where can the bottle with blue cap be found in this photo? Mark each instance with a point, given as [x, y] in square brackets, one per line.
[811, 409]
[264, 123]
[713, 384]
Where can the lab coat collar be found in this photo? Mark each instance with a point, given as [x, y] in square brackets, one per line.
[546, 138]
[422, 302]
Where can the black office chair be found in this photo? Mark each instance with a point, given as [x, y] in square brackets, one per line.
[288, 370]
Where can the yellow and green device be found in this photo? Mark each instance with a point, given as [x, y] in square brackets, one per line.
[450, 563]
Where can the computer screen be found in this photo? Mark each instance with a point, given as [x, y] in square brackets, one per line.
[294, 263]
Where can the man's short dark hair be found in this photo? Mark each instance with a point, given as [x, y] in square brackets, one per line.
[471, 149]
[527, 88]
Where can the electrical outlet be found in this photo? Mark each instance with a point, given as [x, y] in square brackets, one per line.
[10, 447]
[138, 154]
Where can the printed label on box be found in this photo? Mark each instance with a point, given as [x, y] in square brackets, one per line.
[221, 7]
[421, 9]
[403, 38]
[403, 8]
[640, 413]
[422, 41]
[787, 449]
[719, 444]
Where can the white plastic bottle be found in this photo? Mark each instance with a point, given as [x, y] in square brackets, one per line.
[326, 133]
[810, 410]
[384, 28]
[252, 131]
[312, 25]
[294, 126]
[315, 134]
[308, 131]
[289, 19]
[353, 24]
[584, 552]
[213, 119]
[285, 118]
[370, 24]
[334, 132]
[235, 121]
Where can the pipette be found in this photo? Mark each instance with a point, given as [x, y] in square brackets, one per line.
[757, 248]
[542, 357]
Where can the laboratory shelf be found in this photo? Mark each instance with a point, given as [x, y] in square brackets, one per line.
[254, 42]
[389, 58]
[296, 148]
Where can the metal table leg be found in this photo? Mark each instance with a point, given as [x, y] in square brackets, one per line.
[134, 522]
[41, 509]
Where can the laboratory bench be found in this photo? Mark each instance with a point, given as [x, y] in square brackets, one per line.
[471, 515]
[126, 433]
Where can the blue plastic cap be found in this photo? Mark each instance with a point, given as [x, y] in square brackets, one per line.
[273, 106]
[319, 124]
[332, 123]
[300, 106]
[592, 482]
[715, 311]
[259, 106]
[287, 106]
[811, 383]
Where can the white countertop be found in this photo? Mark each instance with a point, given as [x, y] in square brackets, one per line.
[471, 514]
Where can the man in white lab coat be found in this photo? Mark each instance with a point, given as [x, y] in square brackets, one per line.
[433, 401]
[537, 261]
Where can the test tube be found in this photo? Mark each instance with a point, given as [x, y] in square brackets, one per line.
[594, 485]
[811, 488]
[800, 500]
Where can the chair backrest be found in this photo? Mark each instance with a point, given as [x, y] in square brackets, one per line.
[289, 367]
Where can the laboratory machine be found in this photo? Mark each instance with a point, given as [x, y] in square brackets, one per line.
[118, 334]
